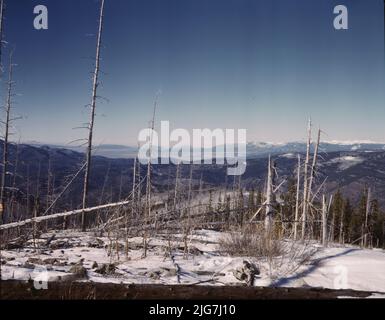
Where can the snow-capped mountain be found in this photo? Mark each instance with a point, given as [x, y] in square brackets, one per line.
[261, 149]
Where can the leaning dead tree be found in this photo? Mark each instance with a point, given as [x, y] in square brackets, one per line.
[92, 115]
[7, 124]
[44, 218]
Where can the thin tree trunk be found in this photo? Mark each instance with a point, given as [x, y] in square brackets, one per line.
[296, 215]
[147, 213]
[305, 182]
[188, 220]
[341, 236]
[36, 210]
[120, 186]
[139, 195]
[133, 196]
[28, 189]
[176, 189]
[313, 167]
[269, 200]
[6, 137]
[324, 221]
[366, 218]
[92, 116]
[200, 190]
[189, 197]
[14, 185]
[49, 178]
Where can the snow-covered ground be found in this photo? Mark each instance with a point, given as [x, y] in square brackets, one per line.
[335, 267]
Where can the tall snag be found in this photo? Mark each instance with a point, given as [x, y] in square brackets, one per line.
[92, 115]
[367, 212]
[313, 166]
[269, 200]
[7, 124]
[305, 182]
[296, 215]
[324, 222]
[147, 211]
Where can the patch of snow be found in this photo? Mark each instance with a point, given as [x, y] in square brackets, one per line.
[351, 142]
[335, 267]
[346, 162]
[344, 268]
[288, 155]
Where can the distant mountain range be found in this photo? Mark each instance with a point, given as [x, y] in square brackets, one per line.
[261, 149]
[47, 169]
[254, 150]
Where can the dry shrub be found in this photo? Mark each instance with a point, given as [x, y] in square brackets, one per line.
[250, 242]
[282, 257]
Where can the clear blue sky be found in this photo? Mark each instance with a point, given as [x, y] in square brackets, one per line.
[263, 65]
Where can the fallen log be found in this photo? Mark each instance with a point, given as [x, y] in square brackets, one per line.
[61, 215]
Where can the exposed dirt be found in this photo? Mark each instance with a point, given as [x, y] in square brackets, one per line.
[11, 290]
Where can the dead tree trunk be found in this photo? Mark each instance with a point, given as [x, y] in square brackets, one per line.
[324, 222]
[313, 167]
[49, 182]
[200, 191]
[313, 171]
[189, 196]
[7, 124]
[187, 227]
[133, 193]
[176, 188]
[92, 115]
[147, 213]
[296, 215]
[367, 209]
[341, 235]
[28, 193]
[139, 195]
[305, 182]
[269, 200]
[36, 208]
[13, 207]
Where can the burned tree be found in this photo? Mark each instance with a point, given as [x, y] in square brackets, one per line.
[306, 183]
[147, 212]
[269, 217]
[7, 123]
[297, 198]
[92, 115]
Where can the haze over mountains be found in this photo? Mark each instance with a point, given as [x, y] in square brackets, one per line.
[253, 149]
[349, 167]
